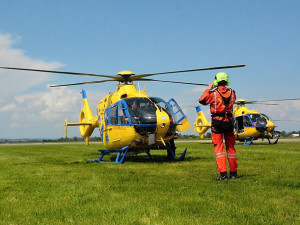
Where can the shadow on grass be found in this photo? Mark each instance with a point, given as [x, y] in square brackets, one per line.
[140, 158]
[255, 144]
[157, 159]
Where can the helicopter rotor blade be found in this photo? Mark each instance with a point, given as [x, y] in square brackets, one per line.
[259, 103]
[121, 78]
[253, 102]
[168, 81]
[135, 77]
[287, 120]
[265, 101]
[62, 72]
[90, 82]
[279, 100]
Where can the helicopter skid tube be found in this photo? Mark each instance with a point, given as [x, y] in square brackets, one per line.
[276, 134]
[119, 159]
[274, 143]
[123, 152]
[249, 140]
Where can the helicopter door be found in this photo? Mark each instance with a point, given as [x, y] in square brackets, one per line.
[239, 124]
[180, 118]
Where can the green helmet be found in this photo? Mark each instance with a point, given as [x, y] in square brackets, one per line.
[221, 77]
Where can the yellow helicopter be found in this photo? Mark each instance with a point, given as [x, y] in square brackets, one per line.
[129, 120]
[249, 125]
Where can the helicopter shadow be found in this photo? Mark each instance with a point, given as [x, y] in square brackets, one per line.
[137, 158]
[256, 144]
[161, 159]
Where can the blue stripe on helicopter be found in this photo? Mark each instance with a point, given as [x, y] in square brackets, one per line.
[83, 94]
[181, 119]
[198, 109]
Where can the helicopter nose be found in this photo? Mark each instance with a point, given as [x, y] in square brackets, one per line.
[163, 123]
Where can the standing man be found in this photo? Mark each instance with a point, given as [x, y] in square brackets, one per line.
[221, 100]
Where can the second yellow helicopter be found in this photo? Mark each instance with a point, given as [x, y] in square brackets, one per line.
[249, 125]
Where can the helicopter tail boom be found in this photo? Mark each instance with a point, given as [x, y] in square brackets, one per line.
[87, 122]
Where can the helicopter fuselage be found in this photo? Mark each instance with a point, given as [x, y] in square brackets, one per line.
[131, 118]
[250, 123]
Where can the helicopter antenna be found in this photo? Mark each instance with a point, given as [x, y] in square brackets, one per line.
[139, 88]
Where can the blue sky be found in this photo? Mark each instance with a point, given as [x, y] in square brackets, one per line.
[105, 37]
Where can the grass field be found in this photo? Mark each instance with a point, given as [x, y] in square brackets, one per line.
[53, 184]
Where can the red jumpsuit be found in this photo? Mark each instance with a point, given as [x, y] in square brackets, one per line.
[221, 101]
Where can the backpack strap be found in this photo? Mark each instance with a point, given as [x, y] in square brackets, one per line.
[226, 100]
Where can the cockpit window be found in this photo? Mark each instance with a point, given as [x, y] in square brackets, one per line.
[258, 120]
[162, 104]
[141, 110]
[114, 115]
[123, 119]
[267, 117]
[247, 121]
[106, 116]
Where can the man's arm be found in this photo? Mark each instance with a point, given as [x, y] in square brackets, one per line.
[204, 99]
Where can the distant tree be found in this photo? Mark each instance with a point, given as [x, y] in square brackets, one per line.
[283, 134]
[288, 134]
[208, 135]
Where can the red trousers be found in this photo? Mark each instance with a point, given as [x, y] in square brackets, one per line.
[217, 140]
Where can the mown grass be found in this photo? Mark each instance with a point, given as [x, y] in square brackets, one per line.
[53, 184]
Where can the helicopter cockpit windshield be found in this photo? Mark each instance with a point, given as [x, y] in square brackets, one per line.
[162, 104]
[141, 110]
[267, 117]
[258, 120]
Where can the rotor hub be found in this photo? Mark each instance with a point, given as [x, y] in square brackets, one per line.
[126, 76]
[241, 102]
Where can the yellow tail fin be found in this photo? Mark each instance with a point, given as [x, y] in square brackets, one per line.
[201, 125]
[87, 122]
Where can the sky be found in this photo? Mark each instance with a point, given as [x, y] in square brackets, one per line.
[105, 37]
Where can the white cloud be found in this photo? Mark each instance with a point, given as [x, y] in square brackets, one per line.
[17, 81]
[15, 125]
[49, 105]
[8, 108]
[198, 89]
[46, 111]
[25, 112]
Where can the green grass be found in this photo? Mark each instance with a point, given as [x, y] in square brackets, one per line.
[53, 184]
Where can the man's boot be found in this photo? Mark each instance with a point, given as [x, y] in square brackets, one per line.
[233, 175]
[223, 176]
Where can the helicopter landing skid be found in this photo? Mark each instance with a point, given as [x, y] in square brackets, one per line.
[274, 143]
[122, 153]
[119, 159]
[249, 140]
[172, 155]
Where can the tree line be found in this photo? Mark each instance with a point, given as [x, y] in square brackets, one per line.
[284, 134]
